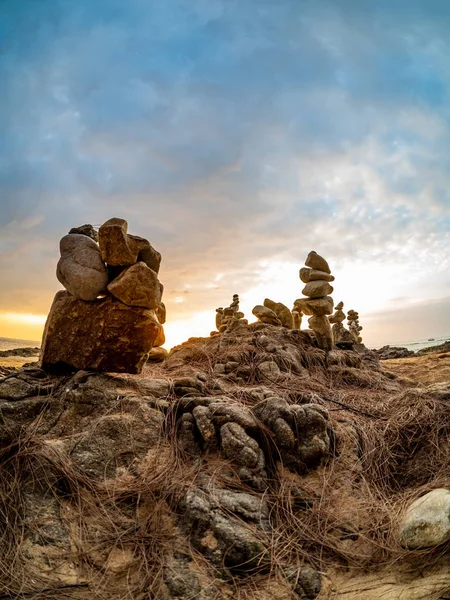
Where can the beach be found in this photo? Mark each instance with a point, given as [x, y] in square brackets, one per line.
[16, 361]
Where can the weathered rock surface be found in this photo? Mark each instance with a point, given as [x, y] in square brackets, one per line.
[427, 520]
[85, 230]
[137, 286]
[80, 268]
[387, 352]
[222, 538]
[112, 485]
[115, 246]
[112, 337]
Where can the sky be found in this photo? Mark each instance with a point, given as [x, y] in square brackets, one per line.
[236, 135]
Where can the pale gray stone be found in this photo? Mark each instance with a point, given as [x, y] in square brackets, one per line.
[80, 268]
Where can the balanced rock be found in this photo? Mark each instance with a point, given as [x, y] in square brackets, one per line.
[322, 329]
[137, 286]
[86, 230]
[160, 338]
[315, 306]
[315, 261]
[317, 289]
[80, 268]
[161, 313]
[426, 522]
[282, 312]
[307, 275]
[157, 354]
[265, 315]
[115, 246]
[103, 336]
[146, 252]
[297, 316]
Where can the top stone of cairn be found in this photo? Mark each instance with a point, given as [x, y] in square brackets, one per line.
[115, 246]
[315, 261]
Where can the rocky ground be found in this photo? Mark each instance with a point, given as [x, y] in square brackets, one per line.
[248, 465]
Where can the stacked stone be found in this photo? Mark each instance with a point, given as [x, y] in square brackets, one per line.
[297, 317]
[319, 303]
[228, 319]
[111, 314]
[274, 313]
[353, 325]
[342, 338]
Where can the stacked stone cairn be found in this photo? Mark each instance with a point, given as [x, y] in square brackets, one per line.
[353, 325]
[319, 303]
[228, 319]
[110, 315]
[342, 338]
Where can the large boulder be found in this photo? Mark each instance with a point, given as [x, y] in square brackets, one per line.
[426, 522]
[80, 268]
[137, 286]
[105, 335]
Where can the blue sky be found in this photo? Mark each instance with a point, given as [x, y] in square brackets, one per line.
[236, 136]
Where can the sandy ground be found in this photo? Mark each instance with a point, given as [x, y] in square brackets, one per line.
[16, 361]
[428, 369]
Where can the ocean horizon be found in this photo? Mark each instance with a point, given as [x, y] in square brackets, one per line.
[12, 343]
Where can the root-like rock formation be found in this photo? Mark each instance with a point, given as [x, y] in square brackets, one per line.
[250, 464]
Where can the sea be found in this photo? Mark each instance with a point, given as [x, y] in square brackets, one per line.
[11, 343]
[420, 344]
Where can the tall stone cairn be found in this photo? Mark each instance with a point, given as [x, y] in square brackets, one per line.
[353, 326]
[110, 315]
[317, 277]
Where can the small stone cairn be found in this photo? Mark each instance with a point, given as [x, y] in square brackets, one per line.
[319, 303]
[229, 318]
[353, 325]
[110, 315]
[342, 338]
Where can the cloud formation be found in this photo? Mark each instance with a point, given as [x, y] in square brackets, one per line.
[230, 133]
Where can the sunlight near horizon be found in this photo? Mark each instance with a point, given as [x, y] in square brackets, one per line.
[23, 318]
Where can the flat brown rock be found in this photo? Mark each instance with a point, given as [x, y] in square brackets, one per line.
[137, 286]
[104, 335]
